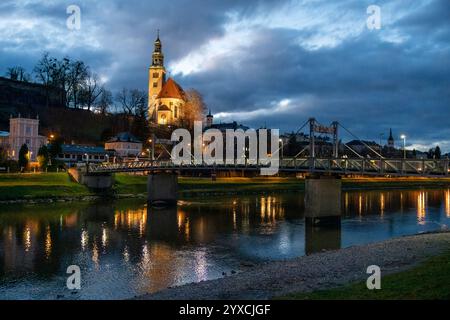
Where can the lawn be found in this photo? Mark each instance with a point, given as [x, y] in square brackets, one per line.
[429, 280]
[45, 185]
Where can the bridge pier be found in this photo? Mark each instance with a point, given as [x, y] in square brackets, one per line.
[322, 200]
[162, 188]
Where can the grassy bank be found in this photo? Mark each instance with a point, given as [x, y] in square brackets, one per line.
[48, 185]
[55, 185]
[429, 280]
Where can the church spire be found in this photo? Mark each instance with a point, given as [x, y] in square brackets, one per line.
[158, 56]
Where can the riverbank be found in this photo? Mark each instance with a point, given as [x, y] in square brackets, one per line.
[52, 187]
[297, 278]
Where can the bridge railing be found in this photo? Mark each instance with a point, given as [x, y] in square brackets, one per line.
[363, 166]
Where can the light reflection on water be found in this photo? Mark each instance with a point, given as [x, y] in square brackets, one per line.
[125, 249]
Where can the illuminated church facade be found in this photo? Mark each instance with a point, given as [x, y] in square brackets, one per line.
[166, 98]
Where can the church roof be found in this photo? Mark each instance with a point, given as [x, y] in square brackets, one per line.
[171, 89]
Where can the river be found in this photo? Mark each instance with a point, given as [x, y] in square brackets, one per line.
[124, 248]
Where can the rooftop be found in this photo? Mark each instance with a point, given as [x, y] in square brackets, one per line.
[171, 89]
[75, 148]
[231, 125]
[124, 137]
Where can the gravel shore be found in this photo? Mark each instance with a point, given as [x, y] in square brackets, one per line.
[310, 273]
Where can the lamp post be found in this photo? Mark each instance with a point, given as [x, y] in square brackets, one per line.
[282, 148]
[87, 162]
[151, 141]
[404, 145]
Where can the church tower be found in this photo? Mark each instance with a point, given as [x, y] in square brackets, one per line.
[156, 78]
[390, 140]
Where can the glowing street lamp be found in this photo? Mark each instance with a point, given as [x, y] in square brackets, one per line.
[404, 145]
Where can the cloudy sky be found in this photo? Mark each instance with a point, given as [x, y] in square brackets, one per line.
[273, 62]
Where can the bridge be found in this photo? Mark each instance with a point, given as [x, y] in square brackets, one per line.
[432, 168]
[323, 174]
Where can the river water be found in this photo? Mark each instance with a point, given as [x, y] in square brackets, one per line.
[124, 248]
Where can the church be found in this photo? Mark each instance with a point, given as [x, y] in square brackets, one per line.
[166, 98]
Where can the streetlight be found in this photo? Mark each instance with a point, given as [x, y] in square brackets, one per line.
[404, 145]
[282, 148]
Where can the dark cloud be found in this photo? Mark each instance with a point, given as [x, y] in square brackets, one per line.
[370, 81]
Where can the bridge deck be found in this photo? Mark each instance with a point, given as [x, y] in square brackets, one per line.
[343, 166]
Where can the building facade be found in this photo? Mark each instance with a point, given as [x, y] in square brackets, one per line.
[166, 99]
[72, 154]
[22, 131]
[124, 145]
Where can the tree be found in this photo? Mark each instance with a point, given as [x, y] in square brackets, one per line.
[194, 109]
[55, 148]
[90, 91]
[43, 157]
[437, 152]
[18, 73]
[104, 101]
[131, 102]
[65, 74]
[77, 75]
[52, 72]
[3, 155]
[23, 157]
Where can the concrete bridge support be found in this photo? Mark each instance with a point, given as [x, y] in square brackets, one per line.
[323, 200]
[162, 188]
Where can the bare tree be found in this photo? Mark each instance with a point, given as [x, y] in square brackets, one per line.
[194, 109]
[131, 101]
[78, 72]
[90, 91]
[52, 72]
[18, 73]
[104, 101]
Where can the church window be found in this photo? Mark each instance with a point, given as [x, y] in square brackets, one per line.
[155, 74]
[155, 84]
[176, 111]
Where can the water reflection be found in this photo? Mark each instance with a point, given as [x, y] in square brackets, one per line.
[318, 239]
[126, 248]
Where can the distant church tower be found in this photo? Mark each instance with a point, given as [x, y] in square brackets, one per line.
[209, 119]
[156, 78]
[390, 140]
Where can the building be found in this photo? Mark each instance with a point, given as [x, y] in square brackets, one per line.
[222, 126]
[72, 154]
[124, 145]
[22, 131]
[166, 99]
